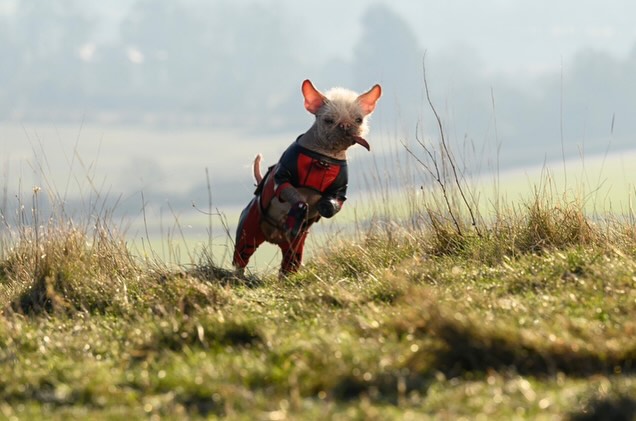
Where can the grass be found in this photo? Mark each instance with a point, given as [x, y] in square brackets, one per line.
[531, 317]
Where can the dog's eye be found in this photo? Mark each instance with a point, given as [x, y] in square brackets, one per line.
[328, 120]
[359, 120]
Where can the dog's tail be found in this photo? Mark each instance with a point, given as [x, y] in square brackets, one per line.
[256, 168]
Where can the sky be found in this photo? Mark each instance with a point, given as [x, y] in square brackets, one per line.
[525, 37]
[510, 36]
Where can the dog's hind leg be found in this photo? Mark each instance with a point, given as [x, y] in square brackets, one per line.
[248, 235]
[292, 254]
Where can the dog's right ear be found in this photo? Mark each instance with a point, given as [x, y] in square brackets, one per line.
[314, 99]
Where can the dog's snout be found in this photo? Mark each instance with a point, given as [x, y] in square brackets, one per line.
[345, 127]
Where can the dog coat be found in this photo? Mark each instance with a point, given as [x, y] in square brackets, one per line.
[298, 167]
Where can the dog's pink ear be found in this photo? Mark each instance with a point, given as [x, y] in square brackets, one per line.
[313, 98]
[368, 99]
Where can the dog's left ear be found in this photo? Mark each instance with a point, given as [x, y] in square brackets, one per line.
[368, 99]
[314, 99]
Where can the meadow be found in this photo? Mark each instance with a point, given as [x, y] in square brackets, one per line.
[447, 304]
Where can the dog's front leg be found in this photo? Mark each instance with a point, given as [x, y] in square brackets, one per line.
[296, 218]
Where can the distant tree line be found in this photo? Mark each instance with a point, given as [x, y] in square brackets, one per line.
[200, 62]
[174, 59]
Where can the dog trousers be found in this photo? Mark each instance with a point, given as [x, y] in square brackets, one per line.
[249, 236]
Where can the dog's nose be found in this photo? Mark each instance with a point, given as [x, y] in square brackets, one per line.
[344, 126]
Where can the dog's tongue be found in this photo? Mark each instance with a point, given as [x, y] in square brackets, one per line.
[362, 142]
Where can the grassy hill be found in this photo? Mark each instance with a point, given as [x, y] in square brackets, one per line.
[526, 314]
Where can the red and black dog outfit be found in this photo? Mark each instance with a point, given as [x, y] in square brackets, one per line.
[298, 167]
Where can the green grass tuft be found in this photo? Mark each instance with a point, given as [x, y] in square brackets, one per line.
[64, 269]
[204, 331]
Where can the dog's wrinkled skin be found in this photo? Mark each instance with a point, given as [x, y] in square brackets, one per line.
[341, 122]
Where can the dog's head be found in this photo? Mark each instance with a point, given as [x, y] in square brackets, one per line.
[341, 115]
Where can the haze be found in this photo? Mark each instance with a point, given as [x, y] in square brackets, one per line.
[144, 96]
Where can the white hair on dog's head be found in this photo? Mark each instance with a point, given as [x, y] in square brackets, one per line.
[343, 104]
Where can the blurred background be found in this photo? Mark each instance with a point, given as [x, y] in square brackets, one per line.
[172, 98]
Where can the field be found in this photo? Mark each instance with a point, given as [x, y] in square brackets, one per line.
[443, 295]
[433, 312]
